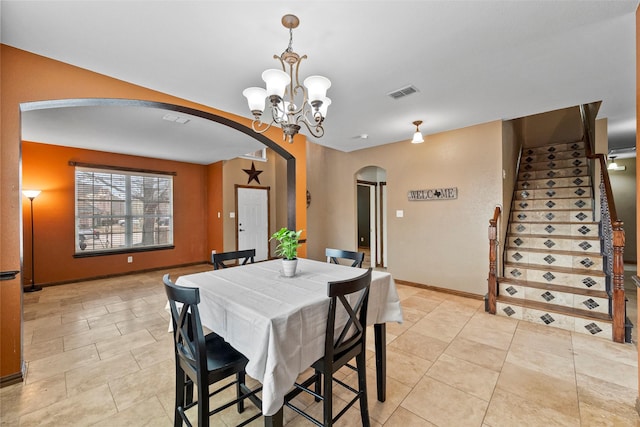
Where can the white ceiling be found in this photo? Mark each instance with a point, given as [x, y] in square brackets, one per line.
[472, 62]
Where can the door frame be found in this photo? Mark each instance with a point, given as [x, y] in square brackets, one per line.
[254, 187]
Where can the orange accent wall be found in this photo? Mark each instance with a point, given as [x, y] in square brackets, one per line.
[637, 176]
[46, 167]
[26, 77]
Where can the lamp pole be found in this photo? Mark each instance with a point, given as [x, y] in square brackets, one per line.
[32, 194]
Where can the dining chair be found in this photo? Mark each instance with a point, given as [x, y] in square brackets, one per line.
[202, 360]
[246, 255]
[345, 338]
[334, 254]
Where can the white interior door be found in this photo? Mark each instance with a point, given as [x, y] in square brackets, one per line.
[253, 221]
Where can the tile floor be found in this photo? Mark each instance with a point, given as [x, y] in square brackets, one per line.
[98, 353]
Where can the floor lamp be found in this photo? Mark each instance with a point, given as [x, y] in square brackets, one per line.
[32, 194]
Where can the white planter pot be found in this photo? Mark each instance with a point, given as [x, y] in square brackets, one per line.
[289, 267]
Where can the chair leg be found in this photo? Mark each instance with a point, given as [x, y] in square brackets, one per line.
[203, 404]
[180, 395]
[328, 398]
[241, 378]
[362, 388]
[318, 385]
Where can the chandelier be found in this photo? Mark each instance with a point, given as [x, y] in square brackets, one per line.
[284, 90]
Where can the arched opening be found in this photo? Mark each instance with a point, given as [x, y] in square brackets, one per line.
[371, 207]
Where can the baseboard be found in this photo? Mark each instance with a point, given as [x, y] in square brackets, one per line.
[127, 273]
[437, 289]
[16, 378]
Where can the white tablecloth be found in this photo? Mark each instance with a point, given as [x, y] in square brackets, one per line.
[279, 323]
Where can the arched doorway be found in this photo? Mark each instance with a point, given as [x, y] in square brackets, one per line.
[371, 204]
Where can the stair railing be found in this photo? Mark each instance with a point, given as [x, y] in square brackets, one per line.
[493, 261]
[612, 233]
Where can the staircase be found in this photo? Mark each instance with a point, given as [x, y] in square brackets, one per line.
[553, 267]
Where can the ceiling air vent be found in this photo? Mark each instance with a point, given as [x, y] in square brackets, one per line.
[402, 92]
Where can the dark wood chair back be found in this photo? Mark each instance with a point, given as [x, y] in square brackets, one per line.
[333, 255]
[219, 260]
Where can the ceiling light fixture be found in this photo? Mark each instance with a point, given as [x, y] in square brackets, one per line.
[417, 136]
[613, 164]
[282, 91]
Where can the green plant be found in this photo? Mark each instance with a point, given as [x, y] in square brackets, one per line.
[287, 243]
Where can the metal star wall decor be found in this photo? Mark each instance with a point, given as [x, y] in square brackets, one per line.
[253, 174]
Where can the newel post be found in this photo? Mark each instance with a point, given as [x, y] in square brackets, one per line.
[493, 250]
[618, 309]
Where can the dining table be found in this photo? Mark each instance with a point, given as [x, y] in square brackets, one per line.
[279, 322]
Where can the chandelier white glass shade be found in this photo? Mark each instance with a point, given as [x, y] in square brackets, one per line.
[291, 104]
[417, 136]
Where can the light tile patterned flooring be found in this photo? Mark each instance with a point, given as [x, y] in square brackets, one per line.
[98, 353]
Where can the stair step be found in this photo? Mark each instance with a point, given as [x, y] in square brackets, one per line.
[553, 193]
[583, 229]
[552, 148]
[552, 164]
[553, 173]
[569, 277]
[548, 204]
[569, 319]
[545, 183]
[587, 292]
[561, 215]
[573, 245]
[588, 303]
[538, 157]
[553, 259]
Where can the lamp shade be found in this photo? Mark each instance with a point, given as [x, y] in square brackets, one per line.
[417, 138]
[277, 81]
[255, 98]
[317, 87]
[31, 194]
[325, 106]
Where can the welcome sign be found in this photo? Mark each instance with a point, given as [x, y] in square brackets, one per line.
[434, 194]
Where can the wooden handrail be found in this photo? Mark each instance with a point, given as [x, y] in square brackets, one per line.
[618, 309]
[493, 264]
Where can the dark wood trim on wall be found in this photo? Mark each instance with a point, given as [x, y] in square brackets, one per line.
[361, 181]
[94, 102]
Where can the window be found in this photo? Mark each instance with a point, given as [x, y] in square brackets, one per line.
[121, 211]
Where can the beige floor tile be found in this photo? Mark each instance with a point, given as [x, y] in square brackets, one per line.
[99, 373]
[101, 301]
[404, 418]
[90, 337]
[109, 347]
[60, 363]
[484, 335]
[110, 318]
[481, 354]
[605, 349]
[543, 362]
[46, 333]
[540, 389]
[406, 368]
[84, 314]
[42, 322]
[419, 303]
[43, 349]
[541, 338]
[607, 396]
[142, 384]
[20, 399]
[509, 410]
[464, 376]
[618, 373]
[419, 345]
[443, 327]
[444, 405]
[596, 417]
[148, 413]
[147, 321]
[82, 409]
[156, 352]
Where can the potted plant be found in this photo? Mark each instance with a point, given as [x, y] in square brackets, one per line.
[288, 249]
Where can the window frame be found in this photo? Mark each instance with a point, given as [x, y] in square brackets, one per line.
[133, 229]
